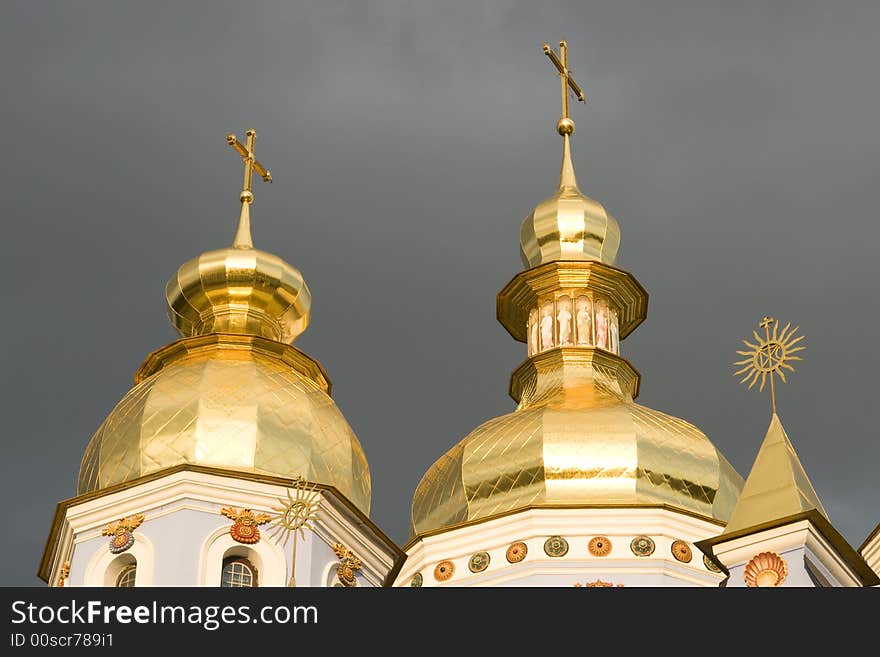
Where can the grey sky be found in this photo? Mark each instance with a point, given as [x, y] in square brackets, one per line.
[736, 143]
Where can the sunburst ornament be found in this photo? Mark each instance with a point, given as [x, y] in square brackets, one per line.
[294, 516]
[771, 354]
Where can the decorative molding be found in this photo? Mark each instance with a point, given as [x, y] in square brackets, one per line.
[517, 552]
[417, 580]
[642, 546]
[556, 546]
[599, 546]
[244, 524]
[121, 532]
[444, 571]
[348, 565]
[681, 551]
[765, 569]
[479, 562]
[710, 565]
[598, 584]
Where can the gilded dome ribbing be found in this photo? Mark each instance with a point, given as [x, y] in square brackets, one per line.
[568, 225]
[577, 438]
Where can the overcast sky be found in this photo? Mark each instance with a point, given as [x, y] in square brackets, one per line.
[736, 143]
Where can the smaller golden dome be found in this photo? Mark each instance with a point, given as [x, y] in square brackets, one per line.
[568, 225]
[239, 290]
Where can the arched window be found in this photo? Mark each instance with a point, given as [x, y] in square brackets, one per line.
[126, 577]
[238, 572]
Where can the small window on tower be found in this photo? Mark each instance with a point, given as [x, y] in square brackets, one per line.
[238, 573]
[126, 577]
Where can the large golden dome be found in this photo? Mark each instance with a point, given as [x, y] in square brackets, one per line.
[229, 401]
[576, 439]
[233, 393]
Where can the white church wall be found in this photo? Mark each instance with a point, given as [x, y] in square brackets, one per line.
[581, 559]
[184, 538]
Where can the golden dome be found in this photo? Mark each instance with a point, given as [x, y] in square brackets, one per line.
[232, 393]
[576, 438]
[239, 290]
[568, 225]
[229, 401]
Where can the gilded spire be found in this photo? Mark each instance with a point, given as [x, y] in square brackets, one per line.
[251, 163]
[777, 485]
[568, 225]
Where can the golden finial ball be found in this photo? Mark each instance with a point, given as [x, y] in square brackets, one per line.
[565, 127]
[247, 197]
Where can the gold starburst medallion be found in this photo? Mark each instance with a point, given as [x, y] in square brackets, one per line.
[293, 516]
[770, 354]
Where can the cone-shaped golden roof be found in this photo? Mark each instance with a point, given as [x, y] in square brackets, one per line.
[777, 485]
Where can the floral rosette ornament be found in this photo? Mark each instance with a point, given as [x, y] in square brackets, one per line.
[121, 532]
[244, 524]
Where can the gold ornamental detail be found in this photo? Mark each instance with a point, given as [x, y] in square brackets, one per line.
[599, 546]
[598, 584]
[682, 551]
[251, 163]
[349, 563]
[444, 571]
[769, 355]
[765, 569]
[244, 524]
[565, 126]
[479, 562]
[556, 546]
[293, 516]
[63, 574]
[642, 546]
[121, 532]
[517, 552]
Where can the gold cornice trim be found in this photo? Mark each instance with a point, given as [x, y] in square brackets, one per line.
[520, 295]
[559, 357]
[869, 538]
[200, 344]
[853, 559]
[448, 528]
[61, 510]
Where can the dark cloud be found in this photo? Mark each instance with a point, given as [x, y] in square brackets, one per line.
[736, 143]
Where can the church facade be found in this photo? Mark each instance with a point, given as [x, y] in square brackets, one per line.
[228, 463]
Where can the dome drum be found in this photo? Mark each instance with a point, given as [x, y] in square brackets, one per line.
[573, 318]
[532, 287]
[577, 369]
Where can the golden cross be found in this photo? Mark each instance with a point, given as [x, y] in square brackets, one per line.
[565, 125]
[251, 163]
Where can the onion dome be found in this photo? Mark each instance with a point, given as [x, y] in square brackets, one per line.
[232, 393]
[577, 438]
[568, 225]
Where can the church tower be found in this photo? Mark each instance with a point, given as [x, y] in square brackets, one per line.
[580, 485]
[227, 463]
